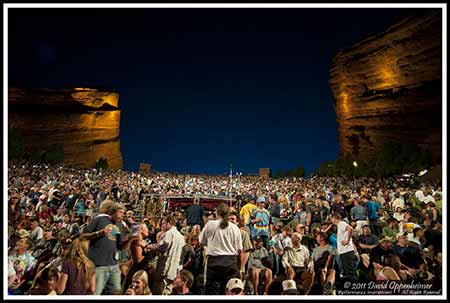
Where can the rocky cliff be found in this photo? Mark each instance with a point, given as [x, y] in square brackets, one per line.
[388, 88]
[85, 121]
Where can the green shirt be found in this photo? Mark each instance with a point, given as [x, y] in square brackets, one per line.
[389, 232]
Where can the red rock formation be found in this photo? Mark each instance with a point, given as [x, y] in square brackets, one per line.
[388, 88]
[85, 121]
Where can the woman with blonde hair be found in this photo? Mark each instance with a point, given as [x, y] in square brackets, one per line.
[138, 253]
[139, 285]
[78, 272]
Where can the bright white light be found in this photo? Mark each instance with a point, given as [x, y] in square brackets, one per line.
[355, 164]
[423, 172]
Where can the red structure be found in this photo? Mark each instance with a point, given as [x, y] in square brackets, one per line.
[208, 203]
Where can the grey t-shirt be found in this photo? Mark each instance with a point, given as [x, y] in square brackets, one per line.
[358, 213]
[318, 251]
[256, 256]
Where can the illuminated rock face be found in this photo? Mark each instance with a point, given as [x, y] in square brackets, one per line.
[388, 88]
[85, 121]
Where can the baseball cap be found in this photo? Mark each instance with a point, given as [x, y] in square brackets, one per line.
[235, 283]
[289, 287]
[280, 224]
[258, 239]
[261, 200]
[385, 238]
[23, 233]
[250, 197]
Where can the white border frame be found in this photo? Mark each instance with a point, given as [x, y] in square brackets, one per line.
[210, 5]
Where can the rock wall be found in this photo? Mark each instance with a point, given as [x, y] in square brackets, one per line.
[389, 88]
[85, 121]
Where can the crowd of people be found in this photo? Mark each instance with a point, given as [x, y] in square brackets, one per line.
[94, 232]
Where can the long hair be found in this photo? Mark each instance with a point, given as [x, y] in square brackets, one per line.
[143, 276]
[224, 211]
[77, 255]
[141, 227]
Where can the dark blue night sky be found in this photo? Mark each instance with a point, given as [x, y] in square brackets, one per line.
[201, 88]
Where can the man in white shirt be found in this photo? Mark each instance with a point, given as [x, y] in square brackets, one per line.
[296, 259]
[399, 201]
[169, 250]
[345, 247]
[223, 246]
[37, 233]
[419, 195]
[282, 240]
[428, 198]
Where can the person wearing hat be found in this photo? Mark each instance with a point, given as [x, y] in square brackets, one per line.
[23, 233]
[107, 236]
[43, 250]
[260, 220]
[401, 243]
[234, 287]
[277, 228]
[384, 249]
[23, 264]
[289, 288]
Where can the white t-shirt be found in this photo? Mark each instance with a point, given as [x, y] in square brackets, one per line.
[399, 202]
[419, 195]
[428, 198]
[221, 242]
[342, 235]
[175, 242]
[398, 216]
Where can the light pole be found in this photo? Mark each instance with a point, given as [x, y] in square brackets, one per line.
[231, 181]
[355, 165]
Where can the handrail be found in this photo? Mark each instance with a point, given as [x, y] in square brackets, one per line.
[191, 196]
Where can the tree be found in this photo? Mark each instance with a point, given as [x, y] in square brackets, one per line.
[54, 154]
[326, 169]
[298, 172]
[278, 174]
[16, 144]
[102, 164]
[396, 158]
[344, 165]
